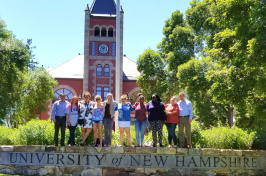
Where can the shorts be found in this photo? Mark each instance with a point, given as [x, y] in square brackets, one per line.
[97, 121]
[123, 123]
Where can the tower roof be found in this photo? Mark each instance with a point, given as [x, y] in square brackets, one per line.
[104, 7]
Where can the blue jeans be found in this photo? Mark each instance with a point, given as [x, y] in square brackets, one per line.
[71, 139]
[139, 128]
[171, 133]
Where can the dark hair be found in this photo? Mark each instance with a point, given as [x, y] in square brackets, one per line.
[157, 96]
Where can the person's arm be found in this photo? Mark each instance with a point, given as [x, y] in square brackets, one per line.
[68, 110]
[175, 109]
[116, 107]
[190, 110]
[147, 107]
[53, 112]
[131, 108]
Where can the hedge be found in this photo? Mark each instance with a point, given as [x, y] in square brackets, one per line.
[41, 132]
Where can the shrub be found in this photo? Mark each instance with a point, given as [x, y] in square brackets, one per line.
[260, 139]
[227, 138]
[5, 135]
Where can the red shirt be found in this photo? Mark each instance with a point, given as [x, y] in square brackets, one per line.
[140, 112]
[174, 117]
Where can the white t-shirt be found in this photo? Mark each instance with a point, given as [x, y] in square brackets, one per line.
[73, 115]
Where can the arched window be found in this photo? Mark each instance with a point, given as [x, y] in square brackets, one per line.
[110, 32]
[106, 70]
[68, 93]
[103, 32]
[97, 31]
[99, 70]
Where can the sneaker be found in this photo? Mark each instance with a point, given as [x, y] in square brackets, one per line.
[188, 146]
[161, 145]
[169, 146]
[154, 145]
[175, 146]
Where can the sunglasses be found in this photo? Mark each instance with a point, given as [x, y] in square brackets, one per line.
[98, 99]
[86, 96]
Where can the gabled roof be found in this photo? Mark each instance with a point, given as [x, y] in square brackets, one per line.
[103, 7]
[73, 69]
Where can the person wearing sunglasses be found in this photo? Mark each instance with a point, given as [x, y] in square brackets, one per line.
[124, 118]
[97, 120]
[85, 112]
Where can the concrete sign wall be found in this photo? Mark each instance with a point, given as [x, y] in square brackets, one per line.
[49, 160]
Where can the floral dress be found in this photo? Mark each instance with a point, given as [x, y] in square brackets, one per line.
[86, 111]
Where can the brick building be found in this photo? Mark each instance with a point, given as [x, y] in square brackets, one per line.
[95, 71]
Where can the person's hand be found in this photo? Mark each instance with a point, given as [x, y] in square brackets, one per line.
[68, 123]
[189, 121]
[54, 120]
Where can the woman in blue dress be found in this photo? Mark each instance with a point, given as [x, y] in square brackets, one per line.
[124, 119]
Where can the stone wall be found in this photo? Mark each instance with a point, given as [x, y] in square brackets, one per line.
[129, 161]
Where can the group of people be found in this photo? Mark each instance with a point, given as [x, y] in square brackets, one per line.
[96, 115]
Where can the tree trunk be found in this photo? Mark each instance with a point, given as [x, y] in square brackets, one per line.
[230, 115]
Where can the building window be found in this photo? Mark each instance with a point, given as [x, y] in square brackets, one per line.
[69, 94]
[105, 92]
[99, 70]
[99, 91]
[110, 32]
[103, 34]
[113, 49]
[106, 70]
[97, 31]
[93, 48]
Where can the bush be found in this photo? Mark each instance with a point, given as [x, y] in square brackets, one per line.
[41, 132]
[260, 139]
[5, 135]
[227, 138]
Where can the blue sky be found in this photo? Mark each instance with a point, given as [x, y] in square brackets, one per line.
[57, 26]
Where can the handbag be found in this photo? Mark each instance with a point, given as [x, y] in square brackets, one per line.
[80, 121]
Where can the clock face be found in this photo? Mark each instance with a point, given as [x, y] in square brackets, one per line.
[103, 48]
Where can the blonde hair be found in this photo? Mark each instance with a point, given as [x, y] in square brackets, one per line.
[111, 109]
[97, 96]
[124, 96]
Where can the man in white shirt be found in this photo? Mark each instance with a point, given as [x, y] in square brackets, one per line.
[185, 118]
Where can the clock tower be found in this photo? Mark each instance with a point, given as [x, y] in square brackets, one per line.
[100, 49]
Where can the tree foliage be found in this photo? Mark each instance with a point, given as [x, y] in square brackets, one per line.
[229, 75]
[24, 88]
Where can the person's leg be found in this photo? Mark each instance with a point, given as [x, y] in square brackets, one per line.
[142, 129]
[121, 135]
[63, 130]
[127, 129]
[70, 140]
[87, 133]
[137, 130]
[83, 132]
[56, 131]
[100, 129]
[173, 133]
[181, 132]
[111, 121]
[106, 131]
[73, 132]
[154, 133]
[160, 131]
[188, 131]
[94, 126]
[169, 134]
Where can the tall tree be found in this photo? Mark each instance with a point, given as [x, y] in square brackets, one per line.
[24, 88]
